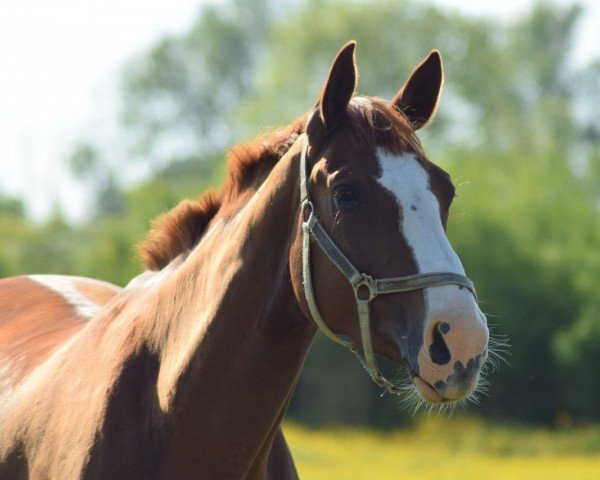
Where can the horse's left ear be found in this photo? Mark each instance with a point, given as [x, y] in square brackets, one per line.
[339, 87]
[419, 97]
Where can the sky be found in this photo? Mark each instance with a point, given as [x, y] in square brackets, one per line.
[59, 62]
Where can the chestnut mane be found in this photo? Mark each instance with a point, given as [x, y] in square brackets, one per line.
[180, 229]
[374, 123]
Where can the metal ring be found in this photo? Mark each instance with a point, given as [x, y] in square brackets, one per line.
[308, 209]
[366, 281]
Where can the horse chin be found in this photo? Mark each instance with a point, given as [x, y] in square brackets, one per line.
[427, 392]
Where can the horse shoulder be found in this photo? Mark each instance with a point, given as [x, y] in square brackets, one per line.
[39, 314]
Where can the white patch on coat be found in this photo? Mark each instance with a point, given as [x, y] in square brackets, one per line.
[149, 279]
[406, 178]
[65, 286]
[6, 373]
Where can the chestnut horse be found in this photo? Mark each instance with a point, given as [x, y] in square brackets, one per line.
[187, 371]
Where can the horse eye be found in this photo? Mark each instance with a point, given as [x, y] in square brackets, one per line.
[346, 197]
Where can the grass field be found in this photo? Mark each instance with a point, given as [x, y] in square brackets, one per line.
[440, 449]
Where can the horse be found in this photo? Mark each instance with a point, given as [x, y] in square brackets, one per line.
[336, 222]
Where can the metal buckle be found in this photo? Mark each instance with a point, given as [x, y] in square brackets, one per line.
[363, 290]
[308, 209]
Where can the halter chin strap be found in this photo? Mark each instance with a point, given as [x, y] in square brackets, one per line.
[365, 287]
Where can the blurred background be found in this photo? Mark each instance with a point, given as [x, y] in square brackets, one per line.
[112, 112]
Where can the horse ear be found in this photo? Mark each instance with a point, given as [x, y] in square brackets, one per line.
[339, 87]
[419, 97]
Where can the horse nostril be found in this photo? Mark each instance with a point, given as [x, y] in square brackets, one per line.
[438, 350]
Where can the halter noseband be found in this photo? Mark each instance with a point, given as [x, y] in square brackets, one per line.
[365, 287]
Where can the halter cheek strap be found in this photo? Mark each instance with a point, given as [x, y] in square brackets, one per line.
[365, 287]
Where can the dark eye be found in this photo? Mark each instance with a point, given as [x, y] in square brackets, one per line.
[346, 197]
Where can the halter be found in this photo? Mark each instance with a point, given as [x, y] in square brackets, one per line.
[365, 287]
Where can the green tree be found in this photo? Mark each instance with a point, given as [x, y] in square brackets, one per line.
[186, 88]
[87, 164]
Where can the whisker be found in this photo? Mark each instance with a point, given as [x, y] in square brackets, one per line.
[498, 349]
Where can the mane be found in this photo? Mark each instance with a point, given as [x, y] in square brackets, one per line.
[179, 230]
[374, 124]
[249, 161]
[377, 124]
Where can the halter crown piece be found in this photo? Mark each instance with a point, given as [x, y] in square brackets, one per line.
[365, 287]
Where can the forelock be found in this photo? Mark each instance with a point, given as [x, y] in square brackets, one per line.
[376, 124]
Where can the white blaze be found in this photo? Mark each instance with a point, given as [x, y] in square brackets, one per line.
[407, 179]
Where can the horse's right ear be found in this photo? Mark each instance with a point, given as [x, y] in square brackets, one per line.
[339, 87]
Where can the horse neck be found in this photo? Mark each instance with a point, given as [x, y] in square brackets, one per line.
[233, 339]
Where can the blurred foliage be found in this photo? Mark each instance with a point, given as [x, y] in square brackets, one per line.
[179, 97]
[474, 450]
[518, 130]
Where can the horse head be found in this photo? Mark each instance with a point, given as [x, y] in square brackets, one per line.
[371, 192]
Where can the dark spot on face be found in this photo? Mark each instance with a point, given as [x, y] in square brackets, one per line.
[473, 363]
[462, 376]
[438, 350]
[413, 208]
[444, 327]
